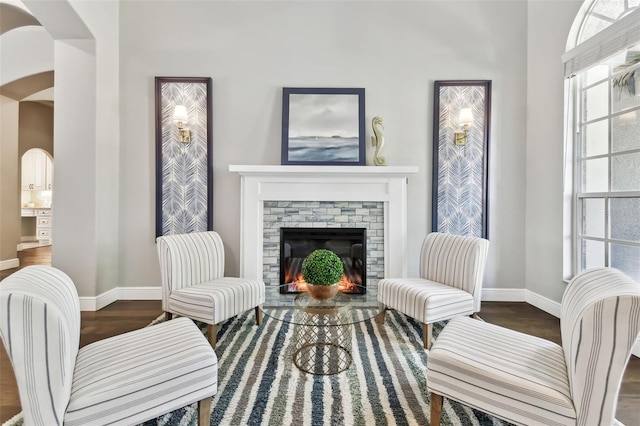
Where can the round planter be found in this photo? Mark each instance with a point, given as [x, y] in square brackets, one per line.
[322, 292]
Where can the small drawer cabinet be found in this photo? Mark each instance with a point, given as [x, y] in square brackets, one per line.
[43, 225]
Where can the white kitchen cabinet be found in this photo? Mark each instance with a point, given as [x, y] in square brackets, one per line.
[49, 175]
[37, 171]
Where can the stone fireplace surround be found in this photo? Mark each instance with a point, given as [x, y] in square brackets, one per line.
[386, 184]
[323, 215]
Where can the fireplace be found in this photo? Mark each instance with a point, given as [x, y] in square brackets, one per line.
[348, 243]
[272, 196]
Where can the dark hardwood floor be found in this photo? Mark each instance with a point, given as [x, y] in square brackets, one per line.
[33, 256]
[123, 316]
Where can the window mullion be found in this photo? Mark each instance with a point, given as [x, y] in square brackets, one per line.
[607, 202]
[577, 99]
[607, 230]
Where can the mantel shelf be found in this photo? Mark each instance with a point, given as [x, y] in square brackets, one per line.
[355, 171]
[385, 184]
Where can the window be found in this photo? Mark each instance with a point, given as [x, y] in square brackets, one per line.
[601, 14]
[608, 165]
[606, 150]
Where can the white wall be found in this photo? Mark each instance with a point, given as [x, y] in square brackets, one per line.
[102, 19]
[251, 50]
[393, 49]
[86, 139]
[25, 51]
[74, 207]
[548, 27]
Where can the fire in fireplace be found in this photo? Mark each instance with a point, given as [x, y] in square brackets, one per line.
[348, 243]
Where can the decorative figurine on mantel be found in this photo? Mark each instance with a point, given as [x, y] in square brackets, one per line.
[378, 141]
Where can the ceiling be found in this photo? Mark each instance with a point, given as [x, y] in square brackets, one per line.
[12, 16]
[29, 86]
[36, 87]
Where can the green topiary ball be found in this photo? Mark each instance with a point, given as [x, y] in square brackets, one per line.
[322, 267]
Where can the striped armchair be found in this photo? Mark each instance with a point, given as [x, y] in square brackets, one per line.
[194, 285]
[450, 283]
[528, 380]
[123, 380]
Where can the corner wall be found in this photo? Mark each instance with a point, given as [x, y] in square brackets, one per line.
[86, 138]
[548, 28]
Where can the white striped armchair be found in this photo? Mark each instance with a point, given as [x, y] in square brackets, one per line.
[123, 380]
[194, 285]
[527, 380]
[450, 283]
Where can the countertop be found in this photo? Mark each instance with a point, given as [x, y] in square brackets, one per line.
[33, 211]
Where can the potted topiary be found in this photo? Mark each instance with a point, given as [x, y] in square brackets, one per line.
[322, 270]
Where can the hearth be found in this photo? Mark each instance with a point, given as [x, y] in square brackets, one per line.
[348, 243]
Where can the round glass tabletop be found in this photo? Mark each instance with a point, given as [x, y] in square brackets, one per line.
[345, 308]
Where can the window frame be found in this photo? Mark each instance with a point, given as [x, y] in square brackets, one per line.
[579, 159]
[587, 46]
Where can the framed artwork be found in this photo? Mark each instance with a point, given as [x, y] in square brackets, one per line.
[323, 126]
[184, 156]
[461, 123]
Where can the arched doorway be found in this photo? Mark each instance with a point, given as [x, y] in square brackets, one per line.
[26, 90]
[36, 199]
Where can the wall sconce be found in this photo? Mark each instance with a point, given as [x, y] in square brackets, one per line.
[180, 118]
[465, 119]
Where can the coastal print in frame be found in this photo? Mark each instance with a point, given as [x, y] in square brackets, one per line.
[323, 126]
[184, 171]
[460, 171]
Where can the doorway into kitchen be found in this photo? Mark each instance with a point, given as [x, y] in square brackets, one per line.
[36, 198]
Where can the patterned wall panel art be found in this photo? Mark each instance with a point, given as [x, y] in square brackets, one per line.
[460, 172]
[184, 171]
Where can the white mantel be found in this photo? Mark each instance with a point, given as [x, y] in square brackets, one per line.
[387, 184]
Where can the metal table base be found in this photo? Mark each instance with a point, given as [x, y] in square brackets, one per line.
[322, 335]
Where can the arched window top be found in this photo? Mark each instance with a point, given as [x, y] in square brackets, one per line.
[598, 15]
[602, 29]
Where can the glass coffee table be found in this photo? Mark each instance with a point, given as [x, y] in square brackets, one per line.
[322, 328]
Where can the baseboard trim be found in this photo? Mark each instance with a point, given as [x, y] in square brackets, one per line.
[96, 303]
[120, 293]
[140, 293]
[9, 263]
[521, 295]
[488, 294]
[504, 295]
[549, 306]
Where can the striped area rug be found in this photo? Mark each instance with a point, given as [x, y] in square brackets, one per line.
[258, 384]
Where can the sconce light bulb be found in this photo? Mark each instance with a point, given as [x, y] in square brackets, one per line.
[466, 116]
[464, 119]
[180, 115]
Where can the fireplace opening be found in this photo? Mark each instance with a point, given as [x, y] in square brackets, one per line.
[348, 243]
